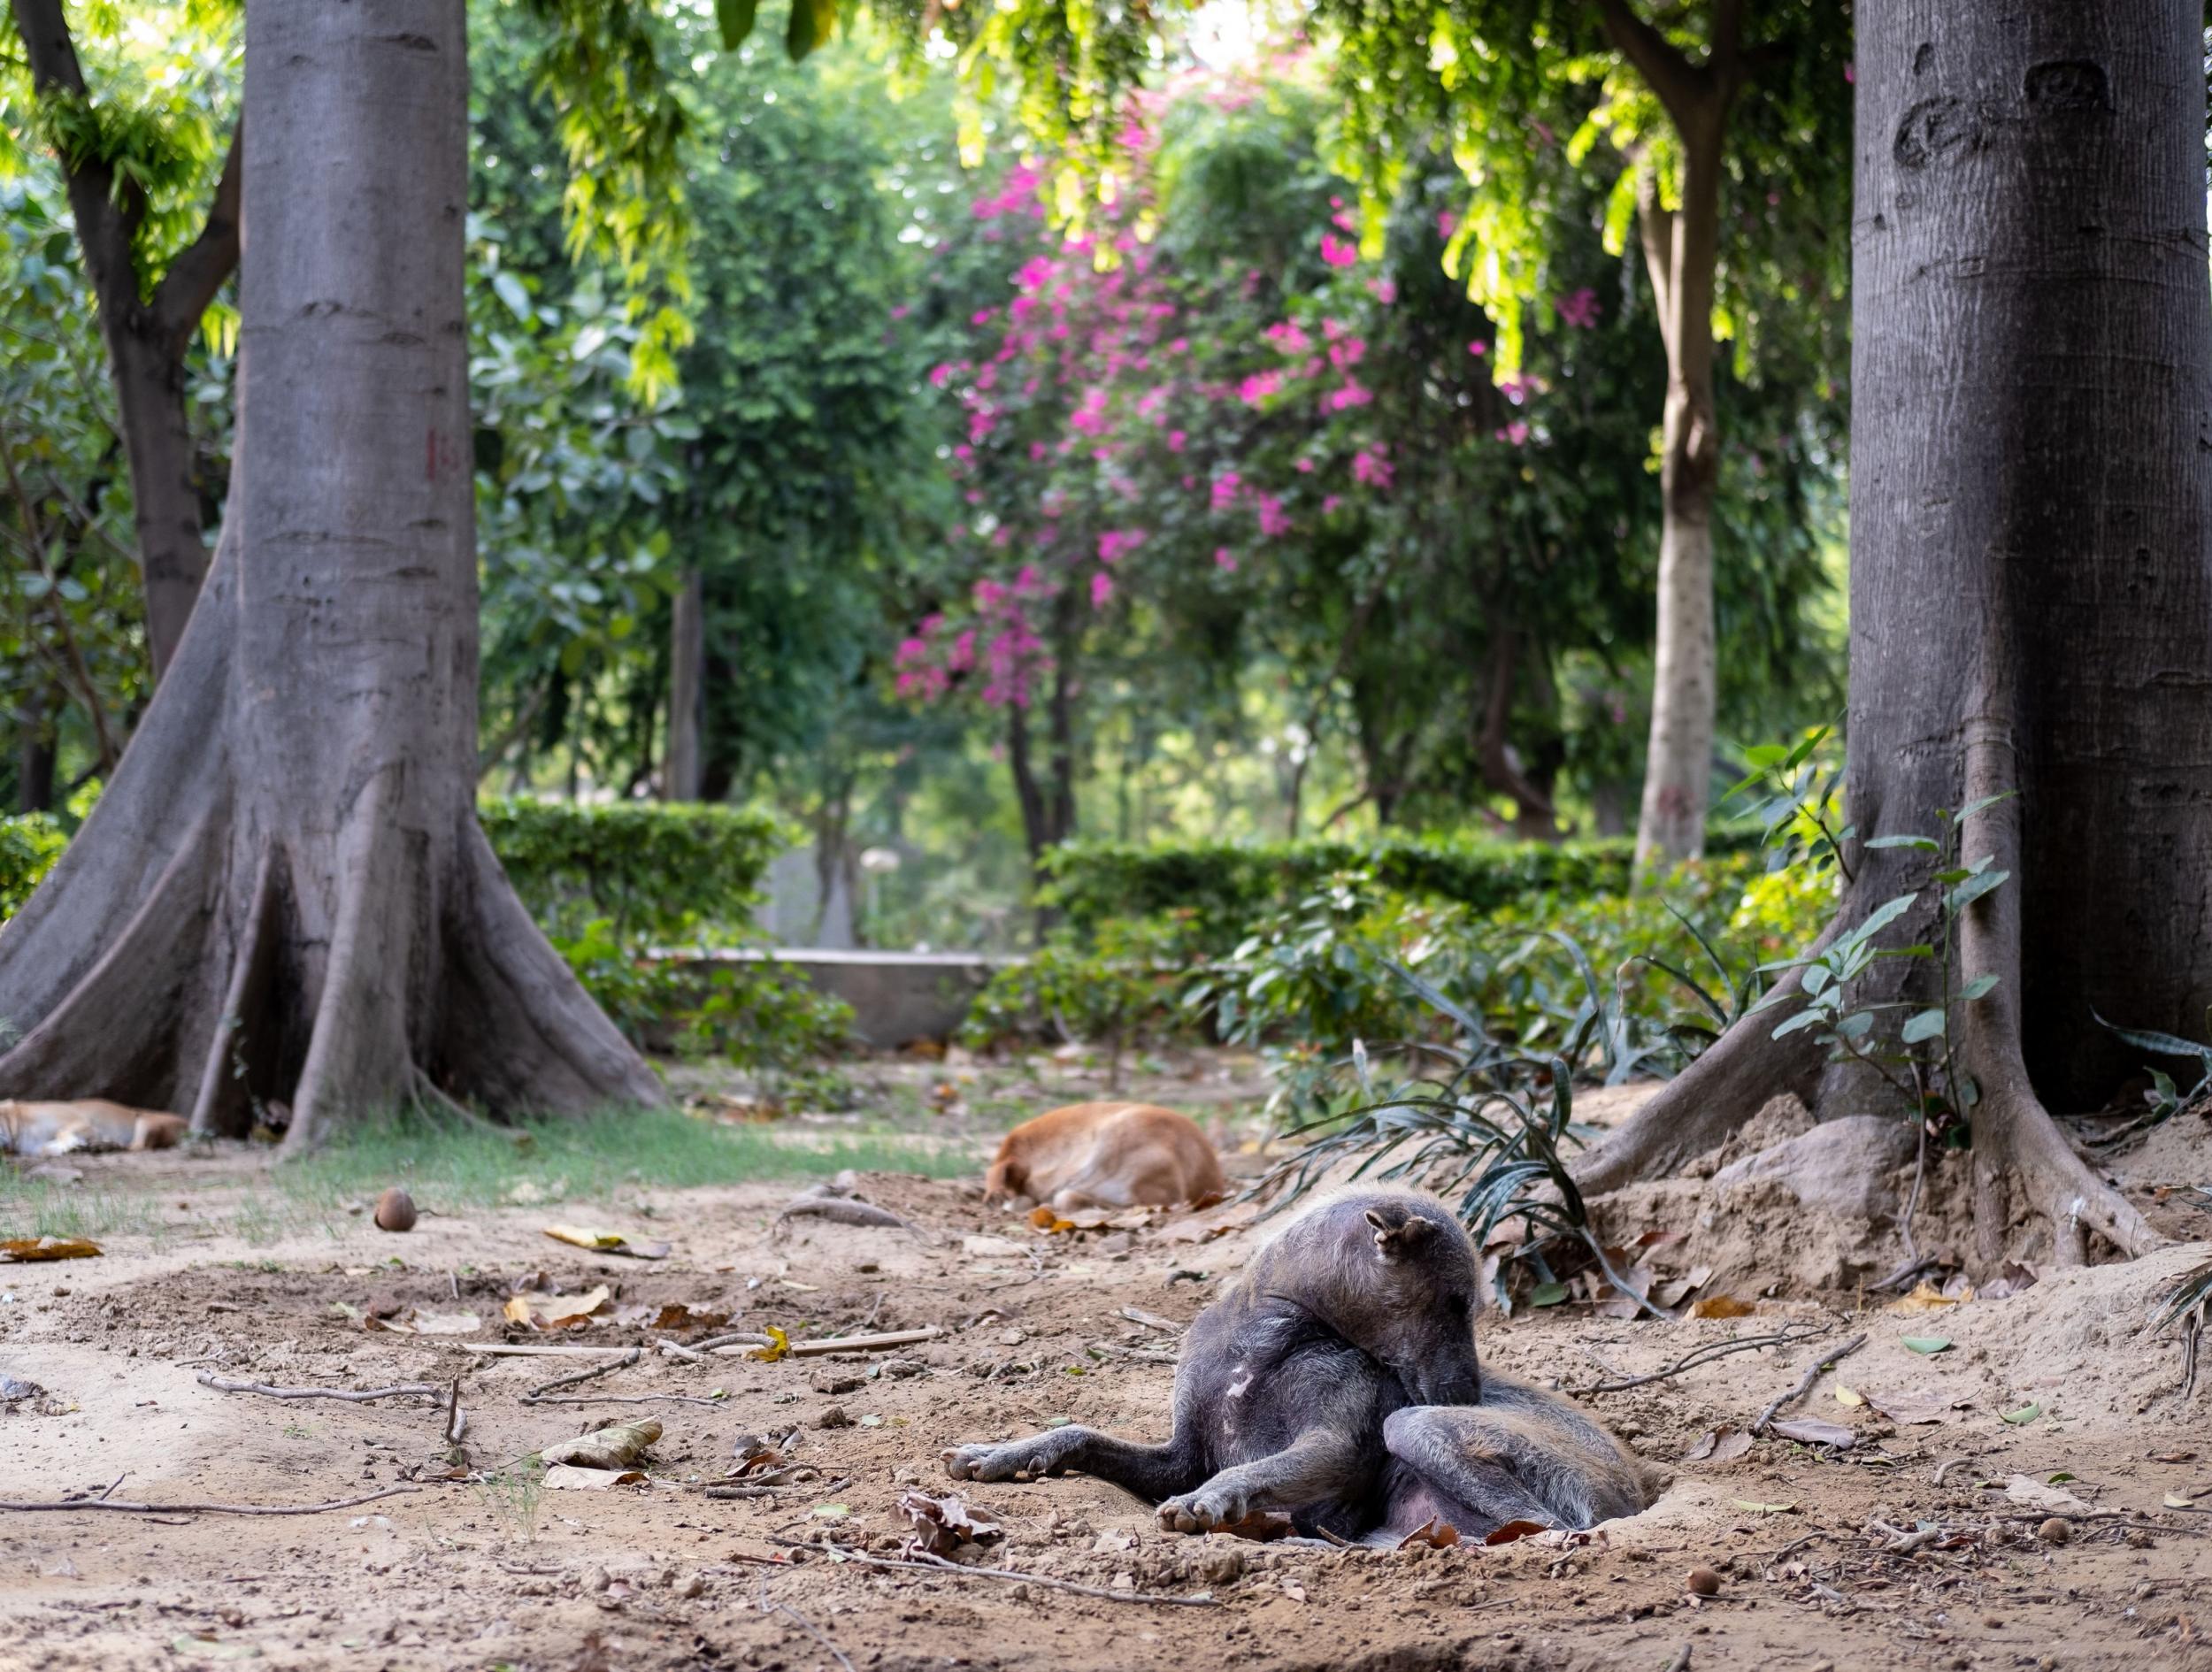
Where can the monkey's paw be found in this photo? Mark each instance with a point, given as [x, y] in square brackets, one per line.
[1208, 1507]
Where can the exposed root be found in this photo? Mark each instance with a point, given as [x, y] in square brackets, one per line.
[112, 1033]
[358, 1052]
[519, 1030]
[2016, 1140]
[242, 994]
[1701, 1105]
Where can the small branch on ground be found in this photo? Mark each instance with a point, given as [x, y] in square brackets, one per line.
[802, 1623]
[536, 1395]
[223, 1384]
[25, 1508]
[1706, 1355]
[1813, 1372]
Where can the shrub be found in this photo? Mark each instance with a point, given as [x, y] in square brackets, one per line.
[655, 872]
[1226, 888]
[29, 844]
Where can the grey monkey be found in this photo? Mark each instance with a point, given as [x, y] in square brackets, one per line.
[1336, 1379]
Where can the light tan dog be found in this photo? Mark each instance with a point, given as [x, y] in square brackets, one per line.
[1105, 1155]
[56, 1129]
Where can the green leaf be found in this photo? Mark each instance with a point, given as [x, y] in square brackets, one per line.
[1974, 888]
[1548, 1295]
[734, 18]
[514, 293]
[1927, 1025]
[2022, 1417]
[1802, 1019]
[1974, 807]
[2158, 1044]
[812, 22]
[1925, 844]
[1979, 987]
[1927, 1344]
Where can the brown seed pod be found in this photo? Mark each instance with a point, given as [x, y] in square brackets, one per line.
[2056, 1531]
[1703, 1582]
[396, 1210]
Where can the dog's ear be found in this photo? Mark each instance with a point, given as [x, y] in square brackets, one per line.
[1399, 1240]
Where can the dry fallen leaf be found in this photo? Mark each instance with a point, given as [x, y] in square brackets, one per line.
[1261, 1526]
[1718, 1445]
[2176, 1500]
[601, 1241]
[1435, 1533]
[2035, 1494]
[537, 1310]
[1811, 1431]
[1721, 1306]
[616, 1446]
[778, 1345]
[416, 1322]
[1295, 1592]
[1049, 1222]
[1926, 1297]
[1908, 1410]
[941, 1525]
[1849, 1396]
[18, 1250]
[1514, 1531]
[574, 1477]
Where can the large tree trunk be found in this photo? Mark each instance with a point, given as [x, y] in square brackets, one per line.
[147, 331]
[687, 691]
[284, 894]
[2031, 576]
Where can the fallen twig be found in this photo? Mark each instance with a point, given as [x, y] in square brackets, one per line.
[536, 1395]
[24, 1506]
[223, 1384]
[735, 1338]
[803, 1623]
[1706, 1355]
[926, 1563]
[1805, 1382]
[857, 1343]
[1151, 1320]
[523, 1350]
[1897, 1541]
[843, 1211]
[456, 1420]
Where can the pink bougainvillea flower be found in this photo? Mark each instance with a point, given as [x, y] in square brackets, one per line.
[1260, 387]
[1330, 504]
[1479, 349]
[1579, 309]
[1447, 225]
[1226, 486]
[1370, 467]
[1286, 335]
[1352, 394]
[940, 375]
[1117, 543]
[1348, 353]
[1225, 559]
[1274, 521]
[1517, 433]
[1337, 252]
[1304, 467]
[1384, 290]
[1101, 590]
[1175, 440]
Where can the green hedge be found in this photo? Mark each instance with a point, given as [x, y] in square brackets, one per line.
[652, 873]
[1225, 887]
[28, 848]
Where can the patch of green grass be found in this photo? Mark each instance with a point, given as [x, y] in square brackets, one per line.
[446, 1164]
[41, 1208]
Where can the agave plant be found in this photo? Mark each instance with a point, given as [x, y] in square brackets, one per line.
[2188, 1303]
[1493, 1132]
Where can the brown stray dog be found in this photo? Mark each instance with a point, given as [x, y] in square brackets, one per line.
[1105, 1155]
[56, 1129]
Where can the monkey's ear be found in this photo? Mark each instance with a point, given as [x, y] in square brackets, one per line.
[1398, 1242]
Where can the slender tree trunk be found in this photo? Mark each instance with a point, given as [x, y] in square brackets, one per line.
[35, 751]
[1681, 251]
[147, 337]
[285, 877]
[1534, 817]
[2032, 567]
[687, 691]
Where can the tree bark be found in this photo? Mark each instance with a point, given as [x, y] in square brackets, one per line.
[1678, 759]
[35, 753]
[147, 331]
[2032, 565]
[687, 691]
[1681, 254]
[284, 893]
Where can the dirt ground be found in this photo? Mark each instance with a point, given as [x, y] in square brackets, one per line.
[1033, 1331]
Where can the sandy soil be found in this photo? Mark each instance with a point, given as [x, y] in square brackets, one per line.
[457, 1575]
